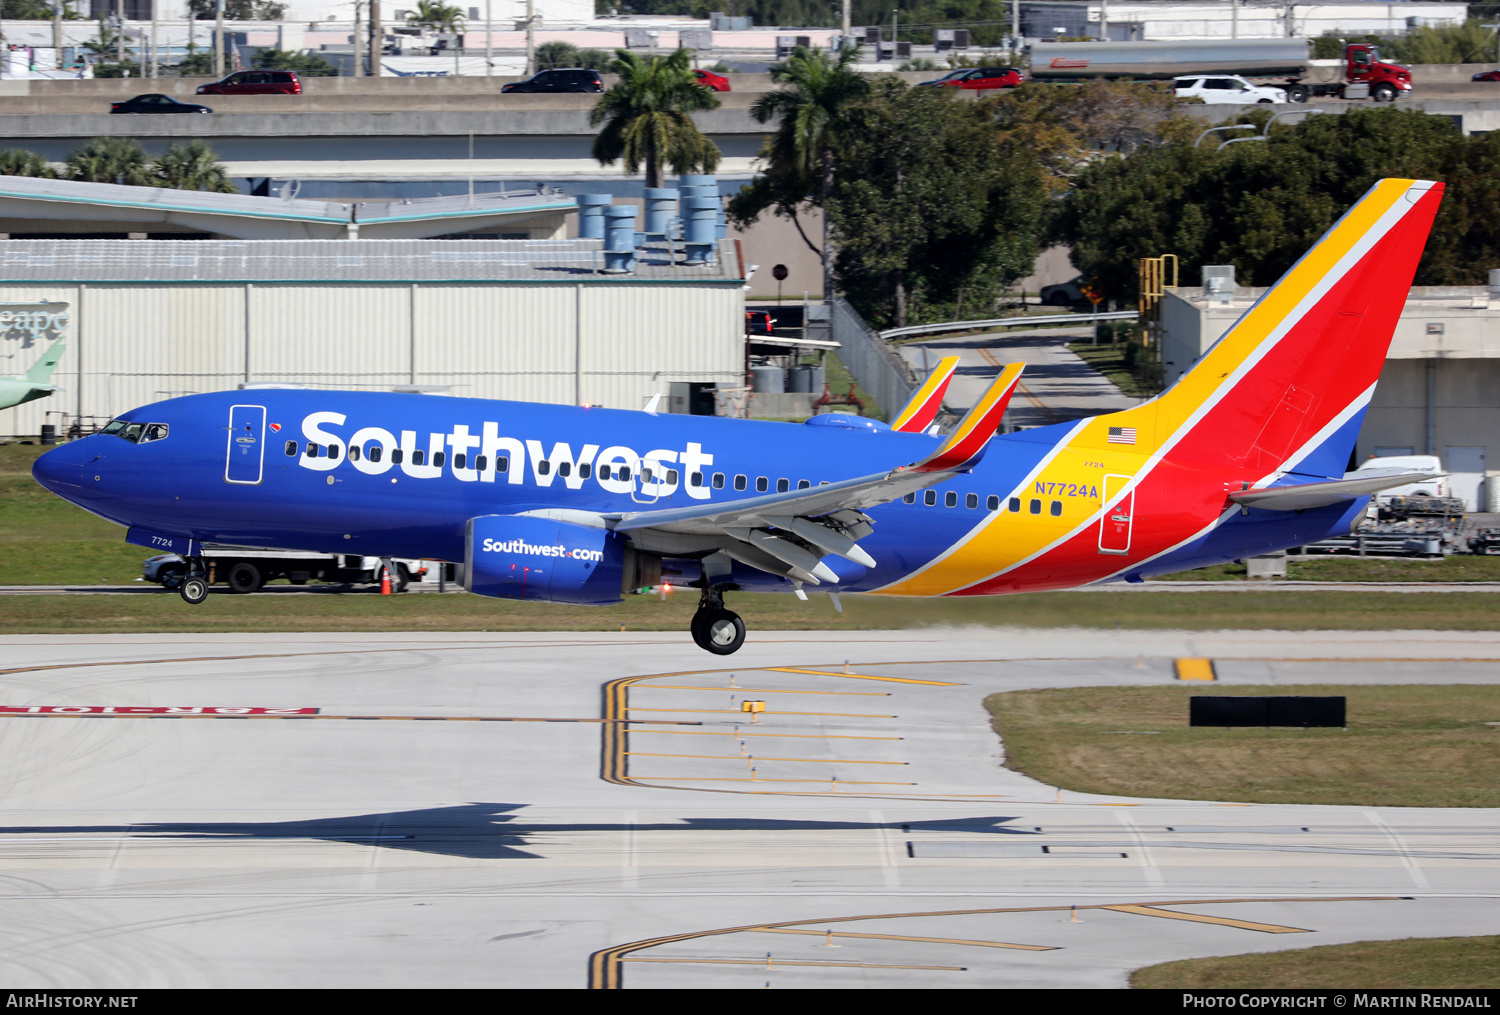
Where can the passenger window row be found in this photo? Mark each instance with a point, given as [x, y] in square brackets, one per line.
[991, 503]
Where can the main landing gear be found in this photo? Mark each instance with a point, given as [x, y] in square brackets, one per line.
[714, 628]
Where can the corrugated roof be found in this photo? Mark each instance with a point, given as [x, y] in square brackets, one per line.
[340, 261]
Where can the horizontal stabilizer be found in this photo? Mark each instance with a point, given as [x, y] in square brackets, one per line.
[967, 443]
[924, 405]
[1316, 495]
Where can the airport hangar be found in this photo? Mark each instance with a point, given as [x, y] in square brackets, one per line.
[283, 294]
[1439, 392]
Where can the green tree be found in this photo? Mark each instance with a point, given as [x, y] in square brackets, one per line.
[19, 162]
[196, 65]
[191, 165]
[309, 65]
[556, 54]
[647, 117]
[1260, 205]
[933, 210]
[438, 16]
[810, 108]
[238, 10]
[1469, 42]
[33, 10]
[110, 160]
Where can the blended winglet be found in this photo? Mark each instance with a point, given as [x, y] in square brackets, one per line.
[924, 405]
[967, 443]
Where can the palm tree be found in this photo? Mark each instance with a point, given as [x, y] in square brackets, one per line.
[110, 160]
[647, 121]
[19, 162]
[815, 95]
[192, 166]
[438, 16]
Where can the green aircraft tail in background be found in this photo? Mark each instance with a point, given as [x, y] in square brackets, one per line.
[34, 383]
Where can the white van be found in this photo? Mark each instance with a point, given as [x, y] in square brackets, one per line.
[1224, 89]
[1437, 486]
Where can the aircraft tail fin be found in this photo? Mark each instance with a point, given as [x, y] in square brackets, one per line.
[1285, 389]
[41, 370]
[924, 405]
[966, 444]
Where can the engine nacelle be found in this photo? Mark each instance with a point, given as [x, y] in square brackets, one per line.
[525, 557]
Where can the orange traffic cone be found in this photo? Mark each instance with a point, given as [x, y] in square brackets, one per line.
[385, 582]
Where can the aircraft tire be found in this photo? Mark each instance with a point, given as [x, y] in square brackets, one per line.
[244, 578]
[194, 590]
[720, 631]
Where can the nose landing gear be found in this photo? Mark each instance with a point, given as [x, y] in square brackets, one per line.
[194, 588]
[714, 628]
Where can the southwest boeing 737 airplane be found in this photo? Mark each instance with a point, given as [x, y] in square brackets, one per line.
[1245, 454]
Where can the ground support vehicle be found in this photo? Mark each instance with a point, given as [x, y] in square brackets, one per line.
[1485, 542]
[245, 569]
[1284, 63]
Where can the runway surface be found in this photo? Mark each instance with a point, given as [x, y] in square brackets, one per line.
[414, 826]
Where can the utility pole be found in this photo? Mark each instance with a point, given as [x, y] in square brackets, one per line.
[1015, 23]
[57, 13]
[530, 38]
[358, 40]
[1234, 19]
[119, 31]
[848, 17]
[218, 38]
[377, 41]
[155, 51]
[1103, 20]
[489, 46]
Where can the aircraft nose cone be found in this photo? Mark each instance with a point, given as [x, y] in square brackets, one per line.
[59, 470]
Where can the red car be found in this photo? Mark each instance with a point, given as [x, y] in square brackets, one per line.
[979, 78]
[708, 79]
[758, 322]
[255, 82]
[1486, 75]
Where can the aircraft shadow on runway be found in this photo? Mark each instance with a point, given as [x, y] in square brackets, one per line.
[478, 831]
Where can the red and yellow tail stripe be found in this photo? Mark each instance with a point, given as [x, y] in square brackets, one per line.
[924, 405]
[967, 442]
[1300, 359]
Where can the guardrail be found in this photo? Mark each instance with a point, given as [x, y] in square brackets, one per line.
[1012, 322]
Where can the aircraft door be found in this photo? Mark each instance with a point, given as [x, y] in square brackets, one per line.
[1115, 526]
[245, 457]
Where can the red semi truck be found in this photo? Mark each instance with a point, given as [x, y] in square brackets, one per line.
[1286, 63]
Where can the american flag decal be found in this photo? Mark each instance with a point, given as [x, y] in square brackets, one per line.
[1122, 435]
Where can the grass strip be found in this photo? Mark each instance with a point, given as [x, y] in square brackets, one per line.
[1437, 963]
[1405, 746]
[154, 610]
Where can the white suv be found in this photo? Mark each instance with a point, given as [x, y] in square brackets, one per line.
[1221, 89]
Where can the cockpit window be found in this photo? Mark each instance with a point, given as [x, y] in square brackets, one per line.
[135, 433]
[132, 431]
[114, 426]
[153, 432]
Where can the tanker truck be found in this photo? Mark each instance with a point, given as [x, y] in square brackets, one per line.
[1285, 63]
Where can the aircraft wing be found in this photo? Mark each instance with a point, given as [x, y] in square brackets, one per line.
[817, 521]
[1315, 495]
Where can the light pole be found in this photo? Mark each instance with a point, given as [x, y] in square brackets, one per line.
[530, 38]
[489, 29]
[218, 38]
[377, 43]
